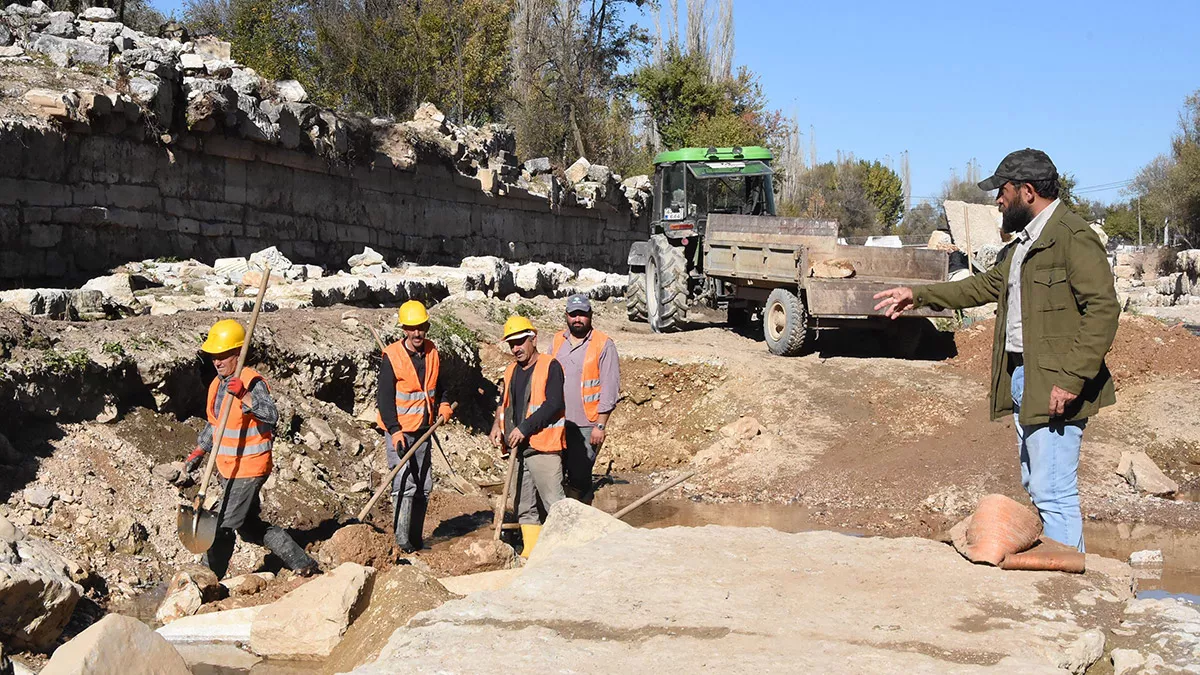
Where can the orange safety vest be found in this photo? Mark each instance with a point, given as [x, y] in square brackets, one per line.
[554, 437]
[589, 384]
[245, 449]
[414, 400]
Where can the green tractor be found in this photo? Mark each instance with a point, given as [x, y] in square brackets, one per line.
[666, 273]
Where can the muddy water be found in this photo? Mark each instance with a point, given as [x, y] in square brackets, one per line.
[1179, 575]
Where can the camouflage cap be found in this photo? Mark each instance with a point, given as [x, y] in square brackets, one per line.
[1023, 166]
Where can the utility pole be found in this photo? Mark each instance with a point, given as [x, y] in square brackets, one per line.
[1139, 222]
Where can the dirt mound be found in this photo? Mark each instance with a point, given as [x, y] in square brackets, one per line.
[360, 544]
[1144, 349]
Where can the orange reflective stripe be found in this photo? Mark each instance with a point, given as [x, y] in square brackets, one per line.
[244, 450]
[414, 400]
[589, 384]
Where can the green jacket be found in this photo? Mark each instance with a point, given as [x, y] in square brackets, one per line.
[1069, 316]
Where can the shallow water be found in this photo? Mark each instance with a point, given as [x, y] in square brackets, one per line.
[1179, 575]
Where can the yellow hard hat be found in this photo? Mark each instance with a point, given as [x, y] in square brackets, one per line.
[517, 326]
[412, 313]
[225, 335]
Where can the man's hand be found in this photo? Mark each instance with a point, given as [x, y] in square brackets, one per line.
[193, 460]
[497, 436]
[515, 437]
[597, 438]
[894, 301]
[398, 442]
[236, 387]
[1059, 400]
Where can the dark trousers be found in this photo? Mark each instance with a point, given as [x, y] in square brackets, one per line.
[240, 516]
[579, 458]
[410, 491]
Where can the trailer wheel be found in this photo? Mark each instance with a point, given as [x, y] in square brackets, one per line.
[785, 323]
[635, 295]
[666, 286]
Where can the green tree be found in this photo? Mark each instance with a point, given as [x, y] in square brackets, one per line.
[885, 191]
[269, 36]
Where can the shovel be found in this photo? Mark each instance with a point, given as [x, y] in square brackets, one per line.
[197, 525]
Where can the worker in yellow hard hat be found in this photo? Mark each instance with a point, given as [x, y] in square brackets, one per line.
[410, 395]
[243, 458]
[530, 421]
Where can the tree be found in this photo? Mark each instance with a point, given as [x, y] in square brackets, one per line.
[269, 36]
[960, 190]
[921, 220]
[567, 60]
[885, 191]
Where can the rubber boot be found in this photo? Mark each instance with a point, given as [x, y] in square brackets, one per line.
[402, 522]
[292, 554]
[529, 537]
[416, 531]
[216, 558]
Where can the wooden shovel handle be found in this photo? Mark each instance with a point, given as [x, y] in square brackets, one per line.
[399, 465]
[498, 516]
[227, 404]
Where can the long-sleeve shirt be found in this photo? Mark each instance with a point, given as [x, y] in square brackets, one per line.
[1013, 331]
[385, 400]
[571, 357]
[256, 401]
[551, 408]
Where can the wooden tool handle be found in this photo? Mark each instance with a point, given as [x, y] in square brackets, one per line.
[498, 516]
[654, 493]
[399, 465]
[227, 404]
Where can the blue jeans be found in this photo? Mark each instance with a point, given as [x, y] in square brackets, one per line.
[1050, 470]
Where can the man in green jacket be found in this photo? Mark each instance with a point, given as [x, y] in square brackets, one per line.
[1056, 318]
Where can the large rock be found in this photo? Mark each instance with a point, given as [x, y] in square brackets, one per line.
[497, 274]
[55, 303]
[117, 644]
[683, 600]
[578, 172]
[271, 256]
[63, 52]
[361, 544]
[571, 524]
[291, 91]
[396, 596]
[1144, 475]
[99, 14]
[116, 288]
[231, 626]
[323, 608]
[541, 278]
[190, 588]
[37, 595]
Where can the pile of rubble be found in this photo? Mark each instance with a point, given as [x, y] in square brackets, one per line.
[172, 85]
[159, 287]
[1135, 288]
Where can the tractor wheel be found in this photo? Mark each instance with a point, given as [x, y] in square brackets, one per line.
[635, 295]
[785, 323]
[666, 286]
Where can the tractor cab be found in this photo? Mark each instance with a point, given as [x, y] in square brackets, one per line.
[691, 183]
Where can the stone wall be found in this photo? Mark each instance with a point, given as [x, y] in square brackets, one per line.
[73, 205]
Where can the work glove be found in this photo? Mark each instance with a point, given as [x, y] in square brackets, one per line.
[236, 387]
[193, 460]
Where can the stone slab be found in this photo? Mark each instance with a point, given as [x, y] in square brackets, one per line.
[983, 221]
[712, 599]
[229, 627]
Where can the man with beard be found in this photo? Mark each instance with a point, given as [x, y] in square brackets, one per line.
[592, 374]
[1056, 318]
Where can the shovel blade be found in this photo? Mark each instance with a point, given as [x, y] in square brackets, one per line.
[197, 531]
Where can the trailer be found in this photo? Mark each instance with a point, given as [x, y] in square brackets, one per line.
[715, 240]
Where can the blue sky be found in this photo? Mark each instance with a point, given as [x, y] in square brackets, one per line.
[1098, 85]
